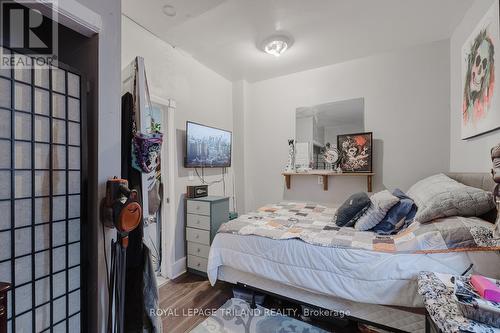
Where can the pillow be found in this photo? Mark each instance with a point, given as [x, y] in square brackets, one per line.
[440, 196]
[381, 202]
[352, 209]
[398, 216]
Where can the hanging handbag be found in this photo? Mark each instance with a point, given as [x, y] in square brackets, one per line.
[146, 147]
[146, 150]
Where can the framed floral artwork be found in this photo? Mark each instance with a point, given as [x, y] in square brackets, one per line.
[356, 152]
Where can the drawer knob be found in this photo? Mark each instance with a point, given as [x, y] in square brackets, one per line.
[198, 250]
[197, 236]
[197, 207]
[199, 264]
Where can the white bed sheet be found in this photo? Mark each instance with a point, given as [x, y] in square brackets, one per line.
[352, 274]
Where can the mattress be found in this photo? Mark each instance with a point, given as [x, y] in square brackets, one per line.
[352, 274]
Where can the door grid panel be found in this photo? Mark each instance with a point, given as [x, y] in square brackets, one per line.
[40, 197]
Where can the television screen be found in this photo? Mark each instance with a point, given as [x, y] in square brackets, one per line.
[207, 147]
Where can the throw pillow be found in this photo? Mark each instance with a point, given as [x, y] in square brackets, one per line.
[440, 196]
[352, 209]
[381, 202]
[401, 214]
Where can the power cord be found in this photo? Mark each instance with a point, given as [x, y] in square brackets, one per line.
[221, 180]
[224, 181]
[105, 255]
[202, 178]
[234, 194]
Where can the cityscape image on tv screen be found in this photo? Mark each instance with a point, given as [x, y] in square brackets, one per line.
[207, 146]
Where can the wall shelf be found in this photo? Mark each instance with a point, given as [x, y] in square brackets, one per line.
[325, 174]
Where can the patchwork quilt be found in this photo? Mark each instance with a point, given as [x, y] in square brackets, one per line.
[314, 224]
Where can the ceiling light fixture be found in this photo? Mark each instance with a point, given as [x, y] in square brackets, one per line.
[276, 45]
[169, 10]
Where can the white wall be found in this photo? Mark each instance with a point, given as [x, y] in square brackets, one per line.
[201, 95]
[471, 155]
[240, 101]
[406, 95]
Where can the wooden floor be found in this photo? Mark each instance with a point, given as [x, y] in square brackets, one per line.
[190, 293]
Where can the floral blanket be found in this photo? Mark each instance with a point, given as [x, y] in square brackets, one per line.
[437, 293]
[314, 224]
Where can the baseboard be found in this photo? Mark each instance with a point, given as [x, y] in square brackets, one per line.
[161, 281]
[178, 268]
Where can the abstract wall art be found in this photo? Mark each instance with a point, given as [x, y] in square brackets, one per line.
[480, 105]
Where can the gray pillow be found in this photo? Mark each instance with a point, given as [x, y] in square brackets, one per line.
[381, 202]
[352, 209]
[440, 196]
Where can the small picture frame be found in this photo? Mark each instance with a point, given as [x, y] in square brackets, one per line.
[356, 152]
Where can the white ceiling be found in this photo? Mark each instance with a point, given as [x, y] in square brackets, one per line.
[223, 34]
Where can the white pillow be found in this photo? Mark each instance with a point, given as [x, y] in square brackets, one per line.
[440, 196]
[381, 202]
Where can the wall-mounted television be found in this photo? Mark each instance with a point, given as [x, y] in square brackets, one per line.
[207, 147]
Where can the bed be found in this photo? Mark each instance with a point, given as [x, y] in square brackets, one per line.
[337, 278]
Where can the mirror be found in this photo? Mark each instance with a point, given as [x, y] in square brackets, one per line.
[317, 128]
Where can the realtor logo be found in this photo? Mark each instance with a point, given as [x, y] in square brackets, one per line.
[28, 37]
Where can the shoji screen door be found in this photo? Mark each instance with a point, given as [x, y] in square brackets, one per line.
[40, 203]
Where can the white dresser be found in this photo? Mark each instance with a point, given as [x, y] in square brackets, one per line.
[203, 218]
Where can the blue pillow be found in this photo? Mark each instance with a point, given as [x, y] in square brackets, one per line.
[381, 203]
[352, 209]
[398, 216]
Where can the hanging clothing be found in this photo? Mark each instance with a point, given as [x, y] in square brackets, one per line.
[151, 298]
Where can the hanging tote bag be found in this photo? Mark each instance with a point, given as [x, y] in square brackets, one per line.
[146, 147]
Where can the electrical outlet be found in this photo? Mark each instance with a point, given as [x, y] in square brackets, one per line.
[320, 180]
[191, 175]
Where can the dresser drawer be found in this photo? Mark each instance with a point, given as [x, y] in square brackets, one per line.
[200, 264]
[198, 236]
[198, 250]
[198, 207]
[198, 221]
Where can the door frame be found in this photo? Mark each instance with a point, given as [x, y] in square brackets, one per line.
[168, 211]
[81, 19]
[71, 14]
